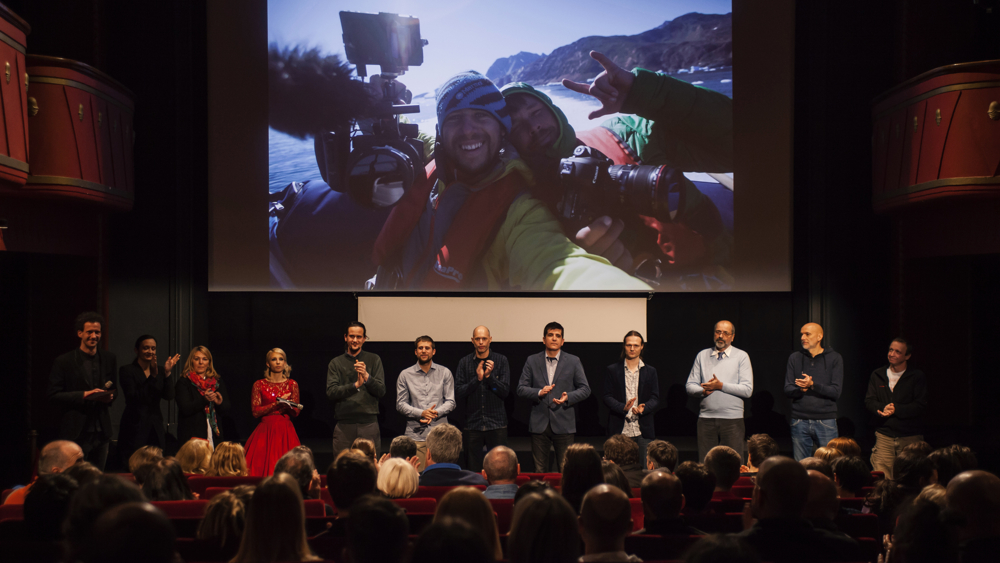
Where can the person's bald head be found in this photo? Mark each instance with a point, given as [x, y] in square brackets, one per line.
[782, 488]
[500, 466]
[822, 502]
[58, 456]
[480, 330]
[976, 496]
[662, 495]
[605, 516]
[811, 335]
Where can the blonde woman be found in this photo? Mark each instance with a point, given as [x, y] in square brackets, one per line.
[201, 396]
[469, 504]
[276, 524]
[228, 461]
[275, 435]
[195, 456]
[397, 478]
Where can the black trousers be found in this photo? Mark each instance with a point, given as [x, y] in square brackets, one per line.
[542, 445]
[95, 447]
[478, 438]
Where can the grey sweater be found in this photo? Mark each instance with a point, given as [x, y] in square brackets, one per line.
[355, 405]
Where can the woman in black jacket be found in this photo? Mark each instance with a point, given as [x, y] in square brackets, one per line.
[201, 396]
[144, 384]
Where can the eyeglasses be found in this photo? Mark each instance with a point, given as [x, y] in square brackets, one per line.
[721, 332]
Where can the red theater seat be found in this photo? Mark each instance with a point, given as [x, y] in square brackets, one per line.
[7, 492]
[743, 492]
[554, 479]
[212, 492]
[12, 511]
[521, 479]
[878, 475]
[199, 483]
[722, 506]
[504, 509]
[636, 492]
[315, 508]
[540, 476]
[437, 492]
[417, 505]
[744, 482]
[637, 514]
[324, 495]
[182, 508]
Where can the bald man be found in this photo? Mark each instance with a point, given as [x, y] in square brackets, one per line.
[975, 495]
[55, 457]
[662, 501]
[781, 533]
[482, 382]
[722, 378]
[813, 381]
[605, 521]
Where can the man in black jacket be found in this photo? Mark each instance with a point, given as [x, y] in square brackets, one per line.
[632, 394]
[897, 396]
[813, 381]
[82, 384]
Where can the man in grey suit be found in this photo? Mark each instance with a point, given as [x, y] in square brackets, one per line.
[553, 381]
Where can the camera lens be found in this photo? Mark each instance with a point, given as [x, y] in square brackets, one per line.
[647, 189]
[379, 176]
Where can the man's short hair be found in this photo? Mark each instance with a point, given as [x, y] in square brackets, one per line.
[89, 317]
[785, 483]
[403, 446]
[662, 494]
[444, 442]
[54, 454]
[451, 539]
[424, 338]
[300, 465]
[852, 473]
[698, 485]
[605, 512]
[621, 450]
[759, 448]
[352, 324]
[351, 476]
[724, 463]
[500, 464]
[554, 325]
[904, 342]
[663, 454]
[377, 530]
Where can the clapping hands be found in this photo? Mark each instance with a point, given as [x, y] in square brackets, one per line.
[428, 415]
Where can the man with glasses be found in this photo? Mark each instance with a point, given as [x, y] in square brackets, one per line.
[722, 377]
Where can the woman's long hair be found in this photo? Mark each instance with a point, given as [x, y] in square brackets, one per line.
[223, 523]
[189, 364]
[469, 504]
[276, 524]
[228, 460]
[267, 358]
[167, 482]
[581, 472]
[195, 456]
[544, 528]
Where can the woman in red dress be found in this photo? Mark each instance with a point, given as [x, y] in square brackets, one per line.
[274, 436]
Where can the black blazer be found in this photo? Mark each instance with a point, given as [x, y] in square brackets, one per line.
[67, 383]
[191, 410]
[142, 406]
[614, 398]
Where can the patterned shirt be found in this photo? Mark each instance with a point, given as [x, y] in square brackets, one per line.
[485, 399]
[632, 390]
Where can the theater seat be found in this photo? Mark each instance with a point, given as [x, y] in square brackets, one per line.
[504, 509]
[12, 511]
[636, 492]
[437, 492]
[182, 508]
[648, 547]
[212, 492]
[540, 476]
[521, 479]
[315, 508]
[744, 482]
[199, 483]
[417, 505]
[743, 492]
[553, 479]
[638, 516]
[859, 525]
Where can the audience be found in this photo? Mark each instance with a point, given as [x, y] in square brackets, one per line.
[451, 539]
[367, 447]
[698, 486]
[166, 481]
[817, 464]
[661, 454]
[624, 452]
[845, 445]
[544, 528]
[613, 475]
[827, 454]
[912, 471]
[951, 461]
[83, 472]
[298, 463]
[223, 524]
[759, 448]
[45, 508]
[975, 497]
[55, 457]
[822, 504]
[934, 493]
[142, 462]
[921, 447]
[444, 445]
[724, 463]
[500, 468]
[662, 501]
[351, 476]
[397, 478]
[530, 487]
[377, 531]
[605, 521]
[469, 504]
[720, 548]
[228, 460]
[581, 471]
[88, 504]
[403, 446]
[850, 474]
[780, 533]
[275, 524]
[195, 456]
[927, 534]
[131, 532]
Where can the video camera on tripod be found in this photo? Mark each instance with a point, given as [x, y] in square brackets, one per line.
[375, 158]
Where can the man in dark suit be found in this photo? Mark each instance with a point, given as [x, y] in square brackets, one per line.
[632, 393]
[553, 381]
[82, 384]
[444, 445]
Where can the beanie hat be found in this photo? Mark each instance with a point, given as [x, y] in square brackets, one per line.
[566, 143]
[471, 90]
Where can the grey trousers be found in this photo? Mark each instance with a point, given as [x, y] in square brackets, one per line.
[720, 432]
[345, 434]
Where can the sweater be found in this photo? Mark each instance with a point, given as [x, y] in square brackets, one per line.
[355, 405]
[909, 398]
[827, 372]
[736, 375]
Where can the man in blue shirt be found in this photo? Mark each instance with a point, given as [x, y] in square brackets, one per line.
[425, 394]
[444, 445]
[813, 381]
[483, 382]
[500, 467]
[723, 377]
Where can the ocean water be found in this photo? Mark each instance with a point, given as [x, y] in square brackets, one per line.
[294, 160]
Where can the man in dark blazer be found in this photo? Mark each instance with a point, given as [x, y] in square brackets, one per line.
[444, 445]
[82, 385]
[553, 381]
[632, 393]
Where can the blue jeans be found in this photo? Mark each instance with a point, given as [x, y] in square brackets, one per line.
[807, 435]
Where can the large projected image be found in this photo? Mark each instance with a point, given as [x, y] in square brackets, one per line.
[511, 146]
